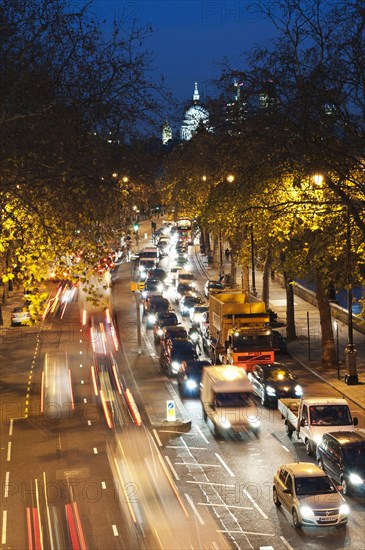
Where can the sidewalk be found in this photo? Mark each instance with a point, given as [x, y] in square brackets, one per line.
[307, 351]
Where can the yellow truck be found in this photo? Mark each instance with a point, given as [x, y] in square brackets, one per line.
[239, 330]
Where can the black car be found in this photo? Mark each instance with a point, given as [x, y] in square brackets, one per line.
[273, 381]
[163, 319]
[212, 286]
[189, 376]
[279, 342]
[155, 305]
[156, 274]
[173, 354]
[183, 289]
[342, 456]
[187, 302]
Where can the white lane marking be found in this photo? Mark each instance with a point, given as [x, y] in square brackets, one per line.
[184, 448]
[172, 468]
[286, 543]
[8, 454]
[201, 521]
[198, 464]
[6, 488]
[115, 530]
[247, 533]
[95, 450]
[285, 449]
[211, 483]
[202, 435]
[174, 432]
[225, 465]
[11, 426]
[225, 505]
[103, 485]
[254, 503]
[3, 531]
[157, 438]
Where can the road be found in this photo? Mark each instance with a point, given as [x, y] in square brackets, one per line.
[68, 479]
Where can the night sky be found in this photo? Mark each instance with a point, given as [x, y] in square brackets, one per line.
[191, 37]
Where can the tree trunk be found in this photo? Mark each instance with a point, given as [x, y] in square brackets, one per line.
[245, 278]
[266, 279]
[207, 242]
[290, 317]
[5, 294]
[328, 343]
[233, 271]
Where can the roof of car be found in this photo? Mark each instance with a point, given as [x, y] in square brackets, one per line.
[192, 364]
[347, 438]
[304, 469]
[174, 328]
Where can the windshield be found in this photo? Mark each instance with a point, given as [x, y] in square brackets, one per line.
[313, 485]
[330, 415]
[233, 399]
[279, 375]
[251, 342]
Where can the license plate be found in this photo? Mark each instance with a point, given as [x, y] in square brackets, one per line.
[328, 518]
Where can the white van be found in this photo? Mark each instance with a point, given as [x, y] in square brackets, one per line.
[226, 396]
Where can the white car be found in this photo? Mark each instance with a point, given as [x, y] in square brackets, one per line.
[20, 316]
[309, 495]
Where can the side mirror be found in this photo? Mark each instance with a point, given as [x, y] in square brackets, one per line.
[303, 422]
[356, 421]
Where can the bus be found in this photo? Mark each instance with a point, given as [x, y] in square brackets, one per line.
[184, 228]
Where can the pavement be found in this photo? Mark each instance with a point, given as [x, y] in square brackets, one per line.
[142, 359]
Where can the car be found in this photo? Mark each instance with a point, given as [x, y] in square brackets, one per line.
[20, 316]
[163, 319]
[189, 376]
[171, 278]
[309, 495]
[197, 314]
[183, 289]
[187, 302]
[170, 332]
[342, 456]
[186, 277]
[151, 285]
[272, 381]
[172, 355]
[145, 265]
[212, 286]
[279, 342]
[181, 261]
[157, 274]
[154, 305]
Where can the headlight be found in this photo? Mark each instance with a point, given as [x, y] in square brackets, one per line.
[317, 439]
[160, 287]
[160, 332]
[175, 365]
[298, 390]
[306, 511]
[144, 294]
[270, 390]
[344, 509]
[225, 423]
[355, 479]
[191, 384]
[193, 284]
[178, 295]
[194, 336]
[152, 318]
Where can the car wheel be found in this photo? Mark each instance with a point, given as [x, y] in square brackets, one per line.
[341, 525]
[205, 416]
[276, 498]
[308, 447]
[295, 518]
[320, 463]
[345, 487]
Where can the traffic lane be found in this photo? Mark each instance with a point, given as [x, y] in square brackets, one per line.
[250, 486]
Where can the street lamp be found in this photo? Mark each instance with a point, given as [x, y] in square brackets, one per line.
[253, 289]
[351, 377]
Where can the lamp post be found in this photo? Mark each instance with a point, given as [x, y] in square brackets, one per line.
[351, 377]
[253, 286]
[221, 270]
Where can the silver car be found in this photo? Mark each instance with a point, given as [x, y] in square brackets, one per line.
[309, 496]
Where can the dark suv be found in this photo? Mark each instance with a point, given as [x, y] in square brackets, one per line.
[172, 355]
[342, 456]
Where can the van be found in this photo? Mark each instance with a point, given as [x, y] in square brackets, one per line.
[226, 396]
[151, 252]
